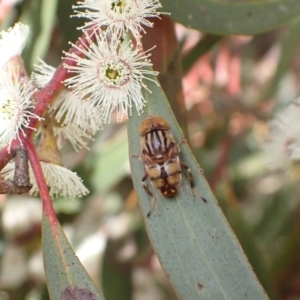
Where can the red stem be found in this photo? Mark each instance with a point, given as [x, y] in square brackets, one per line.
[40, 179]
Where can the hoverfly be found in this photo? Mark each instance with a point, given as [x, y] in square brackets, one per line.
[160, 155]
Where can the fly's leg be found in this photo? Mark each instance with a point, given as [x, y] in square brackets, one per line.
[175, 149]
[153, 198]
[191, 180]
[182, 141]
[145, 185]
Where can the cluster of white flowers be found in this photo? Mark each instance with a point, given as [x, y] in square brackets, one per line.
[61, 181]
[15, 114]
[78, 119]
[282, 146]
[12, 42]
[15, 95]
[109, 72]
[15, 105]
[108, 76]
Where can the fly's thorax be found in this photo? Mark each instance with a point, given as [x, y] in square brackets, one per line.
[157, 142]
[153, 123]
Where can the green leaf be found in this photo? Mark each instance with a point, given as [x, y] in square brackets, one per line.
[232, 17]
[40, 17]
[288, 50]
[192, 239]
[67, 24]
[252, 248]
[116, 272]
[66, 277]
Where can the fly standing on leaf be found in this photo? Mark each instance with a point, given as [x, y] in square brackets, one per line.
[160, 155]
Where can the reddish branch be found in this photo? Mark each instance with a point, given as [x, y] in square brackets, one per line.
[40, 179]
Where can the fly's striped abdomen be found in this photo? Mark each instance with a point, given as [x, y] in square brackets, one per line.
[166, 176]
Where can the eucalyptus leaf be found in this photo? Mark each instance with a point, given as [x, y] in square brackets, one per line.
[66, 277]
[232, 17]
[116, 273]
[40, 17]
[192, 239]
[288, 50]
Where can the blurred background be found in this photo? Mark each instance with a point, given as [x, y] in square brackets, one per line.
[224, 91]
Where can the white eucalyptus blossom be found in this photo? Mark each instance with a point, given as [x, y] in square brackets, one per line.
[78, 138]
[12, 42]
[282, 145]
[15, 106]
[119, 16]
[69, 110]
[42, 74]
[61, 181]
[111, 76]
